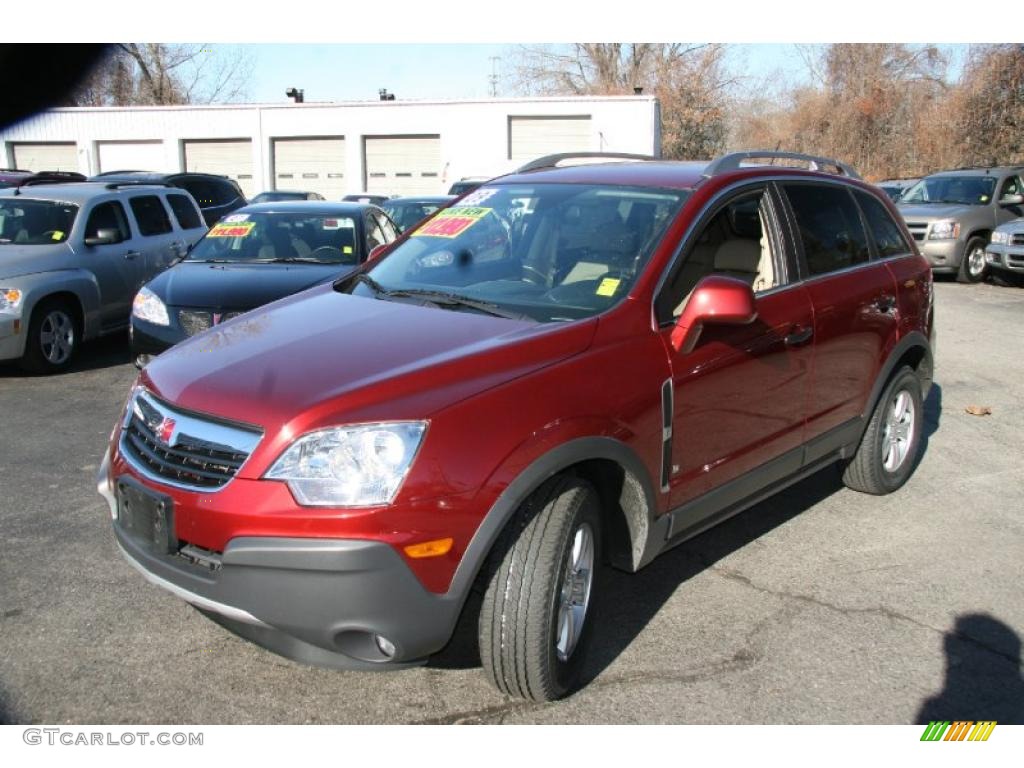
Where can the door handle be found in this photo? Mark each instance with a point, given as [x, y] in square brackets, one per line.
[799, 335]
[131, 255]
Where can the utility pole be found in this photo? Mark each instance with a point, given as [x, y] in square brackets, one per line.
[494, 76]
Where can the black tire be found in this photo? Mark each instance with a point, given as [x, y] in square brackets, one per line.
[969, 267]
[873, 468]
[521, 649]
[54, 335]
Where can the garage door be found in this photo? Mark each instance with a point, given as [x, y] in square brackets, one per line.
[403, 165]
[46, 157]
[533, 137]
[232, 158]
[131, 156]
[311, 165]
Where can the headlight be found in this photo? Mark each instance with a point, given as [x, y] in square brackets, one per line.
[10, 299]
[944, 229]
[357, 466]
[1000, 237]
[148, 306]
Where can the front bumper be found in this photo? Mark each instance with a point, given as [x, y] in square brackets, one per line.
[151, 339]
[943, 255]
[12, 337]
[1008, 257]
[316, 601]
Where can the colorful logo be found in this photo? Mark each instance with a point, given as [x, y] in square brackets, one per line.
[960, 730]
[165, 431]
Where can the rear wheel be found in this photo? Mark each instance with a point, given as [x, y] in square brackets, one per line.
[53, 337]
[889, 447]
[536, 617]
[973, 267]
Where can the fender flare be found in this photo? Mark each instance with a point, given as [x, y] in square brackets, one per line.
[912, 341]
[541, 469]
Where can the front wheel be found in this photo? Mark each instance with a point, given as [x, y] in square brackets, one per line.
[536, 617]
[888, 450]
[973, 266]
[53, 337]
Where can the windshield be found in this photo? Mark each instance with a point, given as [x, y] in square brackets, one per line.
[281, 237]
[549, 252]
[35, 222]
[962, 190]
[276, 197]
[406, 214]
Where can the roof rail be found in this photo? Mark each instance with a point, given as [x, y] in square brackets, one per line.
[552, 161]
[734, 160]
[119, 184]
[50, 177]
[118, 173]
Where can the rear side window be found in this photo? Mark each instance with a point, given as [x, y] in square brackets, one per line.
[151, 215]
[888, 238]
[830, 227]
[204, 192]
[184, 211]
[107, 216]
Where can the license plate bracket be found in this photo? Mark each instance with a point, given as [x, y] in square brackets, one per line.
[146, 516]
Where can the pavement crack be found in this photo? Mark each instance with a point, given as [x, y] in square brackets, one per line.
[736, 576]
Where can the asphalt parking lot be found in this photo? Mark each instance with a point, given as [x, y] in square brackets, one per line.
[820, 605]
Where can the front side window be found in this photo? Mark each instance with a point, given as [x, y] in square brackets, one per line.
[886, 232]
[35, 222]
[151, 215]
[956, 190]
[829, 225]
[107, 216]
[280, 237]
[550, 252]
[1010, 188]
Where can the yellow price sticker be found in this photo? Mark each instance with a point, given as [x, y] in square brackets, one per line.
[57, 235]
[346, 249]
[608, 286]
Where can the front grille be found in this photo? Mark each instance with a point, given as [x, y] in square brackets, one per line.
[1017, 239]
[918, 229]
[182, 449]
[195, 321]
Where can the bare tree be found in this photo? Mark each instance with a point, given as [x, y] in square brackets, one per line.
[689, 80]
[989, 108]
[159, 73]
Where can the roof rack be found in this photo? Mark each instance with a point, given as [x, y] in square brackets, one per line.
[50, 177]
[119, 184]
[552, 161]
[734, 160]
[118, 173]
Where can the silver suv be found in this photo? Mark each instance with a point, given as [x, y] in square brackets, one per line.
[952, 215]
[1005, 254]
[73, 255]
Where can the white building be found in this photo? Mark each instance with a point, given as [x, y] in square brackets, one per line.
[391, 147]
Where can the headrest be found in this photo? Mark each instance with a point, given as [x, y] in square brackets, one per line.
[738, 256]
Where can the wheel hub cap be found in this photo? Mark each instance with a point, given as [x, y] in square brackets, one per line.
[574, 592]
[898, 432]
[976, 261]
[57, 337]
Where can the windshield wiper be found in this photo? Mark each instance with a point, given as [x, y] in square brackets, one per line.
[292, 260]
[445, 299]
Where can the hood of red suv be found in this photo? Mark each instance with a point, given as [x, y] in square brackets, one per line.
[323, 357]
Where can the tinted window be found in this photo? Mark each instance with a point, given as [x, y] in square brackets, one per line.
[107, 216]
[151, 215]
[829, 225]
[204, 192]
[184, 211]
[888, 238]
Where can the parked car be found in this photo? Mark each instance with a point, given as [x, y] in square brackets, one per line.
[895, 188]
[9, 177]
[366, 197]
[407, 211]
[217, 195]
[952, 216]
[466, 184]
[72, 256]
[280, 195]
[1004, 255]
[578, 366]
[254, 256]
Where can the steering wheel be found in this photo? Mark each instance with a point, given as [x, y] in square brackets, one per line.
[533, 275]
[325, 251]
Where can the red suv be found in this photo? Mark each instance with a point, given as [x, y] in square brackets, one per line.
[572, 366]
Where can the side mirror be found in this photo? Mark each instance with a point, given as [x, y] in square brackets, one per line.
[716, 300]
[377, 251]
[1011, 200]
[104, 237]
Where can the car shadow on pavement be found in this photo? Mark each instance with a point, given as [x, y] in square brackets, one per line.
[106, 352]
[983, 674]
